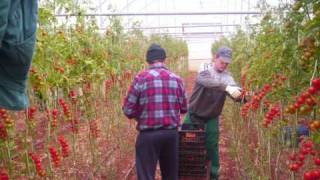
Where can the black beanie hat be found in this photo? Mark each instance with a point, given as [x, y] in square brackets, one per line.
[155, 52]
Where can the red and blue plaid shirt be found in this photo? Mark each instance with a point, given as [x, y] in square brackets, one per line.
[155, 99]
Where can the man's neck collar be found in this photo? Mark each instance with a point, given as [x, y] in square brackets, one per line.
[157, 65]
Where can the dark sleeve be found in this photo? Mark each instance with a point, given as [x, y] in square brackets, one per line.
[18, 20]
[183, 99]
[4, 10]
[18, 42]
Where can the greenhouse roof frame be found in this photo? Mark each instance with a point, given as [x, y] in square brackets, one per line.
[192, 33]
[184, 26]
[164, 14]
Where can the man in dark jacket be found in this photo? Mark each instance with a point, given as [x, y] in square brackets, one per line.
[18, 19]
[213, 84]
[155, 100]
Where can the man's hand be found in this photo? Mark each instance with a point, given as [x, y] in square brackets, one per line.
[234, 91]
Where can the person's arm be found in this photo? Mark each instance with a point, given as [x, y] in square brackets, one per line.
[238, 99]
[183, 99]
[4, 10]
[131, 102]
[204, 78]
[233, 90]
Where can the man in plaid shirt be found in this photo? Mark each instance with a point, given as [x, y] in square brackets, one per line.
[155, 100]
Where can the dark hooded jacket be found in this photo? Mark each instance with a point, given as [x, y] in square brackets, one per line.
[18, 19]
[208, 94]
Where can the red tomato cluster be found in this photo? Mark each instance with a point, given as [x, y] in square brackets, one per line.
[54, 114]
[54, 157]
[3, 175]
[254, 103]
[245, 110]
[256, 98]
[3, 132]
[30, 112]
[73, 96]
[65, 108]
[315, 86]
[64, 146]
[8, 121]
[312, 175]
[305, 101]
[271, 114]
[37, 164]
[306, 148]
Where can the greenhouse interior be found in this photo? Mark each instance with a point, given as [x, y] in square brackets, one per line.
[150, 89]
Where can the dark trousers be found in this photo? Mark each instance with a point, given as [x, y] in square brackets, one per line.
[152, 146]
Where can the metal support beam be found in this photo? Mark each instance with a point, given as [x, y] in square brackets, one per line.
[191, 26]
[193, 33]
[163, 14]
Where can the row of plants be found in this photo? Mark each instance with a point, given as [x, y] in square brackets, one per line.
[275, 135]
[74, 127]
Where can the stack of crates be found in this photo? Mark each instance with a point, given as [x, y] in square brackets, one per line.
[193, 163]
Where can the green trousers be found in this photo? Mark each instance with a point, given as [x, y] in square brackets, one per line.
[212, 143]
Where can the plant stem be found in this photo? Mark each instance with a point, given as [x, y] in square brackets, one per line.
[9, 158]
